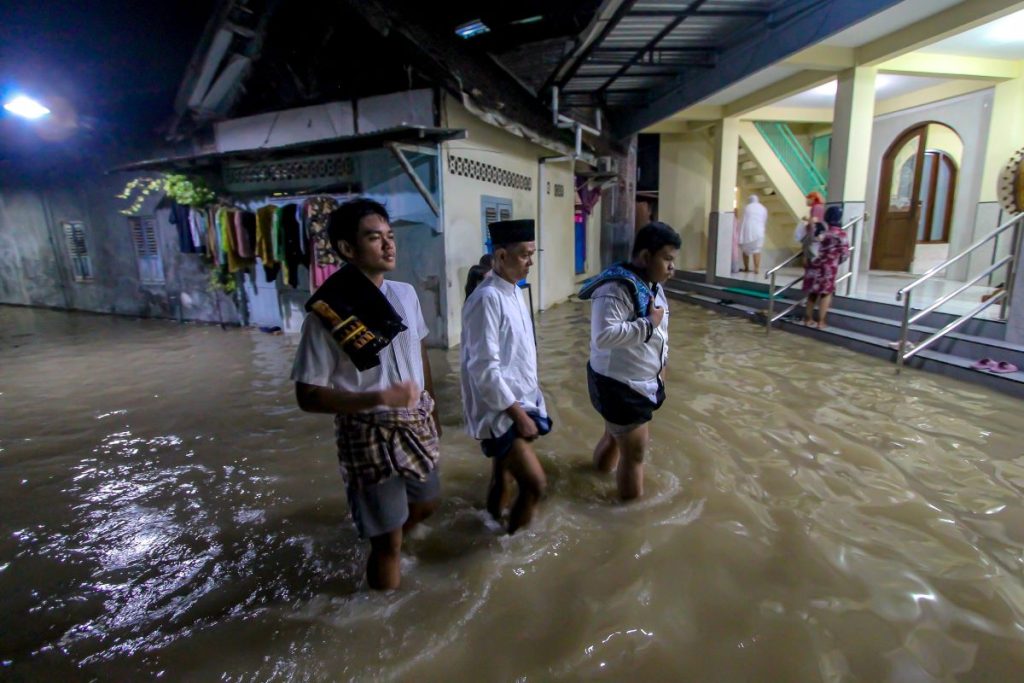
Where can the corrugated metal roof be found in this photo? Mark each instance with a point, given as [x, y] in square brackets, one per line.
[653, 39]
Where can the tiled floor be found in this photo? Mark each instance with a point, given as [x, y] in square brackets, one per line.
[882, 286]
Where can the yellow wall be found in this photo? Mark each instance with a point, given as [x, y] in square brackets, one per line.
[946, 140]
[684, 192]
[1006, 136]
[461, 197]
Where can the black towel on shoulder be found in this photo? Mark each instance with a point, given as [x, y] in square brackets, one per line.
[357, 314]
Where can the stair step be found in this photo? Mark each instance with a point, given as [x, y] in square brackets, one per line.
[951, 365]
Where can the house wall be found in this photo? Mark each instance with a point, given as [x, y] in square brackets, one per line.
[35, 268]
[463, 225]
[684, 195]
[969, 116]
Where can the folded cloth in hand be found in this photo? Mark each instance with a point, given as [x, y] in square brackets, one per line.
[357, 314]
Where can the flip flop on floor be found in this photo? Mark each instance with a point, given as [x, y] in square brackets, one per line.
[1003, 367]
[985, 364]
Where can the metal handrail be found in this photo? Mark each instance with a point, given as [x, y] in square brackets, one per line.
[932, 272]
[773, 293]
[1003, 297]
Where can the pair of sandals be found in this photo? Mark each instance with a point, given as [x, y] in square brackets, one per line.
[997, 366]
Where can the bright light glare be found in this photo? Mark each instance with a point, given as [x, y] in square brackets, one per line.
[830, 88]
[26, 107]
[1008, 29]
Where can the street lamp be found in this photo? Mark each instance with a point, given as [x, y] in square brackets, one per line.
[26, 107]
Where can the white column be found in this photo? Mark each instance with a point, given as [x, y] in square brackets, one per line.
[723, 196]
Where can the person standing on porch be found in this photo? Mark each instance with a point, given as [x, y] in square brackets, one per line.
[362, 358]
[821, 271]
[751, 232]
[628, 352]
[501, 397]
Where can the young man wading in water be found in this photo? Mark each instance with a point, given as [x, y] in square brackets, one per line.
[362, 357]
[501, 398]
[628, 351]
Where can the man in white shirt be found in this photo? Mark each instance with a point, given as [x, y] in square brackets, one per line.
[392, 482]
[501, 397]
[628, 351]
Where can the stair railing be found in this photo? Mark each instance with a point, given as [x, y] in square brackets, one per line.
[855, 227]
[793, 156]
[1002, 296]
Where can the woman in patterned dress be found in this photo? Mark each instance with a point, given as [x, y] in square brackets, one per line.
[820, 273]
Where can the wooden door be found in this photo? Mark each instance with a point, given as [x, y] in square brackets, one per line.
[899, 205]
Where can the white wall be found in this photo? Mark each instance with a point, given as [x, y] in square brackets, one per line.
[969, 116]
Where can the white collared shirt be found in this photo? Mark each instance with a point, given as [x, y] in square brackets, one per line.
[619, 347]
[499, 358]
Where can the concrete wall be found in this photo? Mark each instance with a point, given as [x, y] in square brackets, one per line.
[684, 193]
[35, 268]
[969, 116]
[463, 228]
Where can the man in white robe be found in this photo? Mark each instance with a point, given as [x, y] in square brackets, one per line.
[751, 231]
[502, 401]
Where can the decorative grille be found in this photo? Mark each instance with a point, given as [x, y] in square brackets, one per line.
[78, 250]
[478, 170]
[287, 173]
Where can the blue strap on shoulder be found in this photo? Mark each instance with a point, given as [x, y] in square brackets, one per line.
[640, 291]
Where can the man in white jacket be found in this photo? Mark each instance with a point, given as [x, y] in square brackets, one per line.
[628, 351]
[501, 397]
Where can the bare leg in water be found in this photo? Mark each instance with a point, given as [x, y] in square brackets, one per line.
[606, 453]
[629, 475]
[383, 568]
[499, 492]
[525, 468]
[746, 263]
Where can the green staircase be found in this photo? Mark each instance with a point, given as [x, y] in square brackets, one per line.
[794, 158]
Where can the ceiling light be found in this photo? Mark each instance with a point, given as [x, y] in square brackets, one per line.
[26, 107]
[472, 28]
[529, 20]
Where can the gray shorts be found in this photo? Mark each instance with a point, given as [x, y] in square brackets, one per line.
[384, 507]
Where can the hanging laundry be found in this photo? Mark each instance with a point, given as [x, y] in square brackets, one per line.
[265, 241]
[197, 229]
[243, 239]
[213, 238]
[318, 209]
[291, 243]
[180, 219]
[318, 272]
[228, 220]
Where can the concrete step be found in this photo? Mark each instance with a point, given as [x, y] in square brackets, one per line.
[931, 360]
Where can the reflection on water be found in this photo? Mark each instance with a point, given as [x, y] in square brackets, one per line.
[166, 510]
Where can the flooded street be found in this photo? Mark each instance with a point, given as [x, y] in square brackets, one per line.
[168, 511]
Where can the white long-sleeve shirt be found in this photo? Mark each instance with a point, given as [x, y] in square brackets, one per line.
[619, 345]
[499, 358]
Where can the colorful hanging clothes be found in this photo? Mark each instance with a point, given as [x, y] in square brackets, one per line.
[229, 248]
[213, 238]
[265, 241]
[291, 243]
[319, 273]
[180, 219]
[197, 229]
[318, 209]
[243, 242]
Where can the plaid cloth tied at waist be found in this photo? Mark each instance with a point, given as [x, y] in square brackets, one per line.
[374, 446]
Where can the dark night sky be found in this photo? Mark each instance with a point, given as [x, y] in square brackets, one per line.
[116, 62]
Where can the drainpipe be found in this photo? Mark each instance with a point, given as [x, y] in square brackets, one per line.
[541, 186]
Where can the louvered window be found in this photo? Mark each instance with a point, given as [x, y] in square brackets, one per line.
[493, 209]
[147, 249]
[78, 250]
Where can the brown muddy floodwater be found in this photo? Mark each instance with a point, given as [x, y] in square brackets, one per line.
[168, 511]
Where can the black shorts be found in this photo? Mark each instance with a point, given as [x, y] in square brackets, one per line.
[619, 403]
[499, 446]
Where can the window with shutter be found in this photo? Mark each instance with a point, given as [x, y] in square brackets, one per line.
[147, 249]
[493, 209]
[78, 250]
